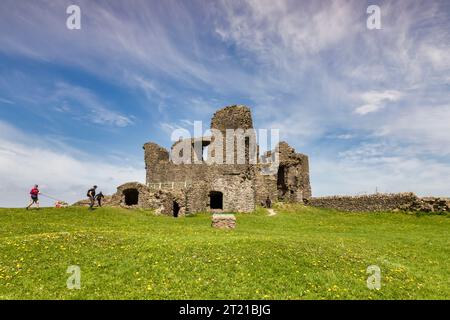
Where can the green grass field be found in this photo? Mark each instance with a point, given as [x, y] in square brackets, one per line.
[301, 253]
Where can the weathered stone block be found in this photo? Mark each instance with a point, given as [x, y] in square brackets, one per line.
[223, 221]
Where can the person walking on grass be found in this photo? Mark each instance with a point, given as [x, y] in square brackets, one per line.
[268, 202]
[34, 193]
[99, 198]
[91, 196]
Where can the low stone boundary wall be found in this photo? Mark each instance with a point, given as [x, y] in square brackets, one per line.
[381, 202]
[429, 204]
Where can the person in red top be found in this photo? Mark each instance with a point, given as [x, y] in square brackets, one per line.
[34, 196]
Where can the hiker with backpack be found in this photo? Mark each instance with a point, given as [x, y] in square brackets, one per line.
[99, 198]
[91, 196]
[34, 196]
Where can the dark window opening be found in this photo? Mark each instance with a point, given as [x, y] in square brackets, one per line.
[216, 200]
[176, 209]
[281, 182]
[281, 177]
[131, 197]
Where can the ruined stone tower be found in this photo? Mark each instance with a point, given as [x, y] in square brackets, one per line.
[230, 186]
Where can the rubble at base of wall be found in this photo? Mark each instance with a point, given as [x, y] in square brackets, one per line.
[428, 204]
[381, 202]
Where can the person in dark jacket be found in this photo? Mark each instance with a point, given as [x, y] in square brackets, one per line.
[99, 198]
[268, 202]
[91, 196]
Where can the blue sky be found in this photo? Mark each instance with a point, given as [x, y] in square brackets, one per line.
[370, 107]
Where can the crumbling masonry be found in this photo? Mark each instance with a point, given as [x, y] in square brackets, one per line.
[178, 189]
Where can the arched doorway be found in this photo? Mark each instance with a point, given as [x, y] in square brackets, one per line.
[176, 209]
[216, 200]
[131, 197]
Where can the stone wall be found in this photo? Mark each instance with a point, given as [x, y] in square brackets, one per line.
[197, 197]
[161, 201]
[238, 193]
[232, 117]
[428, 204]
[154, 155]
[382, 202]
[373, 202]
[265, 186]
[237, 190]
[292, 178]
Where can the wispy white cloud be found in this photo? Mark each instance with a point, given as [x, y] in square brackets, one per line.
[363, 174]
[93, 109]
[376, 100]
[282, 31]
[424, 128]
[381, 166]
[6, 101]
[438, 56]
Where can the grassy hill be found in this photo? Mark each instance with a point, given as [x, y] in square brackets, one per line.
[301, 253]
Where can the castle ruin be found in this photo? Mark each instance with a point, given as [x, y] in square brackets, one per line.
[199, 186]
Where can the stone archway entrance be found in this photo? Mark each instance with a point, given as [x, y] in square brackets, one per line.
[216, 200]
[131, 197]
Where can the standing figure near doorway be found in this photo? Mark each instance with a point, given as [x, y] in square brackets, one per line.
[268, 202]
